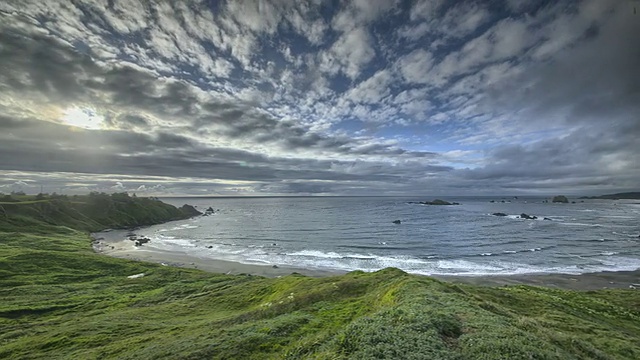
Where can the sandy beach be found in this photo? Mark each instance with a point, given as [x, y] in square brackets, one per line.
[115, 244]
[111, 244]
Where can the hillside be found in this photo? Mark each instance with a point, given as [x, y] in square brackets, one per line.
[617, 196]
[93, 212]
[60, 300]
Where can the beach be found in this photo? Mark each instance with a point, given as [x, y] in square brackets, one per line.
[116, 245]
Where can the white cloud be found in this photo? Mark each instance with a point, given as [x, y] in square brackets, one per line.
[463, 19]
[415, 66]
[306, 20]
[425, 9]
[373, 89]
[256, 15]
[349, 53]
[127, 16]
[360, 13]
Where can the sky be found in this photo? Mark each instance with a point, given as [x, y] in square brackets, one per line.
[363, 97]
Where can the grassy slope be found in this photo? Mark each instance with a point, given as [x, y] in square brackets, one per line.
[60, 300]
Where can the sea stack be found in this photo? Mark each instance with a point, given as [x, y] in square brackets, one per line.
[560, 199]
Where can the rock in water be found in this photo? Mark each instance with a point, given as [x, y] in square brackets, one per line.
[189, 210]
[499, 214]
[438, 202]
[397, 222]
[560, 199]
[529, 217]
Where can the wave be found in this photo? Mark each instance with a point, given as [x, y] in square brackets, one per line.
[507, 252]
[179, 227]
[538, 217]
[318, 254]
[426, 265]
[578, 224]
[382, 246]
[170, 242]
[609, 253]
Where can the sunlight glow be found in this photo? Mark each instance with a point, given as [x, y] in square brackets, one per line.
[85, 118]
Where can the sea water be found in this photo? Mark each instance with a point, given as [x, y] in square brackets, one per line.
[358, 233]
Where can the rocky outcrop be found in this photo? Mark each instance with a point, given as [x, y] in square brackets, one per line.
[397, 222]
[528, 217]
[189, 210]
[560, 199]
[435, 202]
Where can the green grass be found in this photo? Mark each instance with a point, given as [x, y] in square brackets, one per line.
[59, 300]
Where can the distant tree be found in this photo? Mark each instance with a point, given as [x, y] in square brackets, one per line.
[123, 196]
[18, 193]
[40, 196]
[59, 196]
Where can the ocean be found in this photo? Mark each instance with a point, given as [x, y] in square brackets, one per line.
[358, 233]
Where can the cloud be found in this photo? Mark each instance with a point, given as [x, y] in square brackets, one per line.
[310, 97]
[415, 66]
[349, 53]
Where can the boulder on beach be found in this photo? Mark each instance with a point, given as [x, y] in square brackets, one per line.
[141, 241]
[397, 222]
[499, 214]
[560, 199]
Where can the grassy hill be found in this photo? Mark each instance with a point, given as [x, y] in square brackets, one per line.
[59, 300]
[93, 212]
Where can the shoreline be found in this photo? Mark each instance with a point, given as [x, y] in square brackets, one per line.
[125, 249]
[116, 245]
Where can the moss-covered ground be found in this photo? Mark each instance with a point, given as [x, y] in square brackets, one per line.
[60, 300]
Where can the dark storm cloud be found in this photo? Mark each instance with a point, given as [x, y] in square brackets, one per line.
[591, 94]
[160, 154]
